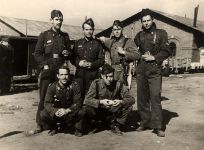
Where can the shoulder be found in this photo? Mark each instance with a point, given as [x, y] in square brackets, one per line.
[74, 84]
[161, 32]
[139, 33]
[64, 33]
[79, 41]
[52, 86]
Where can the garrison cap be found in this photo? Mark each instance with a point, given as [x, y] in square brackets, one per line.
[118, 23]
[89, 22]
[145, 12]
[6, 39]
[56, 13]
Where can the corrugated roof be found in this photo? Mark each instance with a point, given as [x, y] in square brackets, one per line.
[34, 28]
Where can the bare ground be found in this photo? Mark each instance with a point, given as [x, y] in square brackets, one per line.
[183, 101]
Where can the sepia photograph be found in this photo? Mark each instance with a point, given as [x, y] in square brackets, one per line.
[101, 75]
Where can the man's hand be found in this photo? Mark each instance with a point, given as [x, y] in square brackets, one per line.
[116, 102]
[105, 102]
[121, 50]
[102, 39]
[148, 57]
[61, 112]
[46, 67]
[65, 53]
[85, 64]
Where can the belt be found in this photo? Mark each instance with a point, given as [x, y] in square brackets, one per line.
[53, 55]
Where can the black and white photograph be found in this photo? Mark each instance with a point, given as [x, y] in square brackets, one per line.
[101, 75]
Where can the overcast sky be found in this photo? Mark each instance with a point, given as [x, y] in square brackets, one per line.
[102, 11]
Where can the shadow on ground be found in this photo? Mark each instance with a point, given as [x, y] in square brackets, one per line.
[167, 116]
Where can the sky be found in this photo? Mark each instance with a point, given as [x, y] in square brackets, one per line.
[103, 12]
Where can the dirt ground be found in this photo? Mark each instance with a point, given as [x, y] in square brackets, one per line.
[183, 109]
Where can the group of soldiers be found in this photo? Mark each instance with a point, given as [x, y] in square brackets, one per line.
[98, 92]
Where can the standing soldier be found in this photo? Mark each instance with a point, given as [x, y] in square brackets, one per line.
[52, 48]
[154, 48]
[89, 57]
[122, 51]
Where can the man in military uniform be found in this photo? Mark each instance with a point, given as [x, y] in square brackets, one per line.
[52, 48]
[154, 48]
[62, 103]
[88, 58]
[108, 99]
[6, 65]
[122, 51]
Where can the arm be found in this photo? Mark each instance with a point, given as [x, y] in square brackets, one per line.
[39, 51]
[131, 53]
[127, 99]
[165, 50]
[100, 58]
[77, 101]
[49, 99]
[90, 98]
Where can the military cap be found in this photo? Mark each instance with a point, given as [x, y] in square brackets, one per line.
[56, 13]
[6, 39]
[145, 12]
[118, 23]
[89, 22]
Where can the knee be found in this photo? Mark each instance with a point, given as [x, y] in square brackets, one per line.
[44, 115]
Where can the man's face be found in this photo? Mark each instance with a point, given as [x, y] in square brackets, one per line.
[108, 78]
[57, 22]
[117, 31]
[147, 21]
[63, 76]
[88, 31]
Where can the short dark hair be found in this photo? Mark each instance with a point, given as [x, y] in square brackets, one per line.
[146, 12]
[106, 69]
[56, 13]
[117, 23]
[89, 22]
[63, 67]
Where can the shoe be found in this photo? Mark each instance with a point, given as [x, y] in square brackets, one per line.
[52, 132]
[78, 133]
[159, 132]
[116, 130]
[37, 130]
[140, 129]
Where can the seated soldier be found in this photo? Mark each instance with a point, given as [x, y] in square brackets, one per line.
[62, 103]
[108, 99]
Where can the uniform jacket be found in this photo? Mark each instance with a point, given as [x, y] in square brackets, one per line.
[49, 43]
[62, 97]
[98, 91]
[132, 52]
[92, 51]
[155, 41]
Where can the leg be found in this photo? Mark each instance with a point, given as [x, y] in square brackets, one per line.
[43, 89]
[143, 100]
[155, 98]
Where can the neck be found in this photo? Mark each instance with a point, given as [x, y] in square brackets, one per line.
[55, 30]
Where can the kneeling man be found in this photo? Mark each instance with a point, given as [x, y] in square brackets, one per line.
[62, 103]
[108, 99]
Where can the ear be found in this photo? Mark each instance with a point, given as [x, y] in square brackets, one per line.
[57, 76]
[51, 20]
